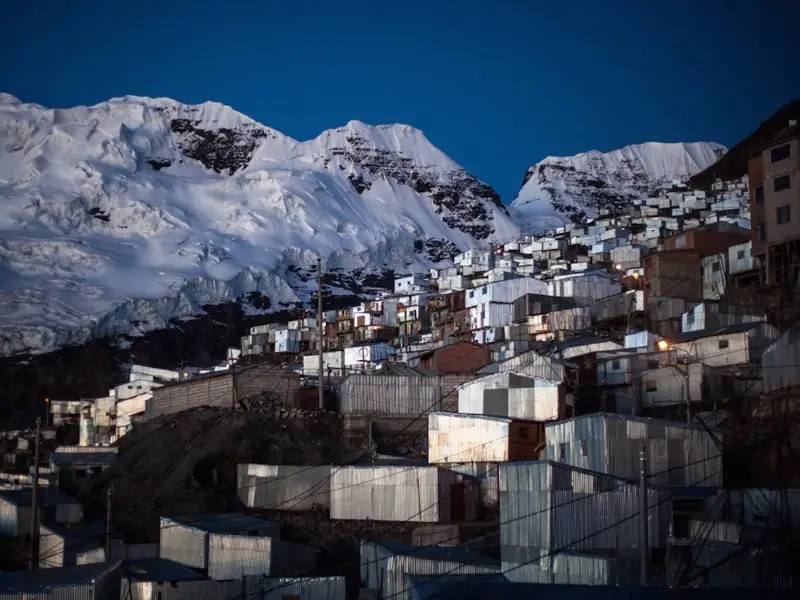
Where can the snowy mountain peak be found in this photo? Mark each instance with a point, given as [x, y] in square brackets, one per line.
[121, 216]
[563, 188]
[9, 99]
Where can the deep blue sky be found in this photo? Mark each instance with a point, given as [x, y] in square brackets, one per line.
[497, 84]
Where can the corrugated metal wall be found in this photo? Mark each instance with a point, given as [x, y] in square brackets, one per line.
[183, 544]
[397, 394]
[464, 438]
[9, 519]
[234, 556]
[679, 455]
[223, 390]
[534, 365]
[548, 507]
[385, 571]
[305, 588]
[210, 391]
[780, 362]
[386, 493]
[284, 487]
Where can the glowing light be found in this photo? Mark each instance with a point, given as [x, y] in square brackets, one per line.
[662, 345]
[618, 267]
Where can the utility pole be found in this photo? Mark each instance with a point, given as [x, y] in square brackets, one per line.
[33, 561]
[108, 521]
[644, 532]
[320, 320]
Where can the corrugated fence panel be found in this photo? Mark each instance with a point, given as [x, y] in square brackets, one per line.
[389, 394]
[385, 493]
[305, 588]
[284, 487]
[234, 556]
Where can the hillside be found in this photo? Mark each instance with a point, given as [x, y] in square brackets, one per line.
[734, 164]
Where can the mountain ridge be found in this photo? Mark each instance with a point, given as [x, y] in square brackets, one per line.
[120, 217]
[559, 189]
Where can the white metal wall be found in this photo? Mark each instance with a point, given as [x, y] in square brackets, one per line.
[385, 493]
[283, 487]
[684, 455]
[467, 438]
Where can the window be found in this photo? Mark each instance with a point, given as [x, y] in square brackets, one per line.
[761, 232]
[483, 290]
[690, 317]
[715, 267]
[781, 183]
[650, 386]
[760, 194]
[784, 214]
[780, 153]
[584, 448]
[472, 294]
[615, 365]
[523, 432]
[740, 255]
[723, 344]
[562, 452]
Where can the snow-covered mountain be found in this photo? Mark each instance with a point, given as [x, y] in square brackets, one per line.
[118, 217]
[559, 189]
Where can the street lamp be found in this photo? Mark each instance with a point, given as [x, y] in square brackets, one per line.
[665, 346]
[47, 412]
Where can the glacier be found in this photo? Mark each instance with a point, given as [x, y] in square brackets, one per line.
[560, 189]
[117, 218]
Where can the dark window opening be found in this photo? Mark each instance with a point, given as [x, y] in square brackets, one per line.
[715, 267]
[781, 183]
[523, 432]
[740, 255]
[760, 194]
[723, 344]
[650, 386]
[615, 365]
[780, 153]
[784, 214]
[761, 232]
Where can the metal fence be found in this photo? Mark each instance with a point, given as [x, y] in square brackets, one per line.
[283, 487]
[398, 394]
[223, 390]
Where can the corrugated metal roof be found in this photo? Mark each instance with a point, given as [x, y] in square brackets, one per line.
[46, 497]
[158, 569]
[43, 579]
[223, 522]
